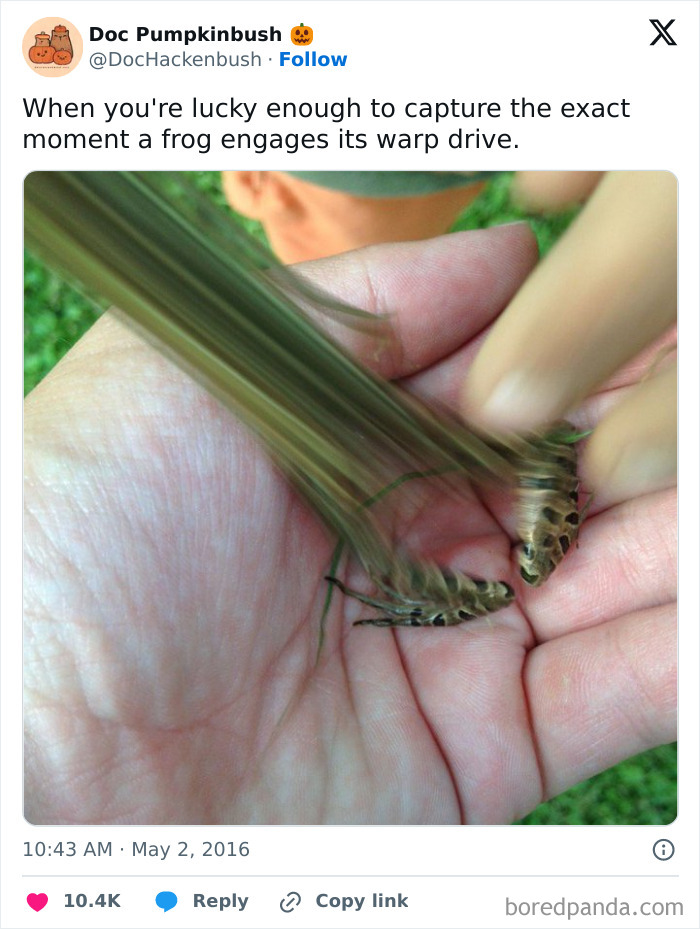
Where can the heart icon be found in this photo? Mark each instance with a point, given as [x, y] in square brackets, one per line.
[37, 901]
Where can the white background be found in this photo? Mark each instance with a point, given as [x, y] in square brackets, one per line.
[397, 51]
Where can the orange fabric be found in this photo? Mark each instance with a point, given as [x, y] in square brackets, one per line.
[305, 221]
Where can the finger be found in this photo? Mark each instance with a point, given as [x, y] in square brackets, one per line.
[553, 190]
[437, 293]
[444, 382]
[634, 449]
[602, 695]
[604, 292]
[625, 561]
[469, 687]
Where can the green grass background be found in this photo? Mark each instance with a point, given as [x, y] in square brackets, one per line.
[641, 790]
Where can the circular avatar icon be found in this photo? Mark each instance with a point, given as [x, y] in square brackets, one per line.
[52, 47]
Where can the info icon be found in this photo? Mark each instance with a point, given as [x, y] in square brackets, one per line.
[52, 47]
[663, 849]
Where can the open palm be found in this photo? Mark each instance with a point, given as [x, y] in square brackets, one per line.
[174, 587]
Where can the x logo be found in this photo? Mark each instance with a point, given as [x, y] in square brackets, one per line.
[663, 31]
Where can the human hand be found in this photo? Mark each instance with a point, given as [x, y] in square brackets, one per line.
[173, 584]
[605, 293]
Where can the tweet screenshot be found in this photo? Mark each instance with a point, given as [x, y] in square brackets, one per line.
[345, 465]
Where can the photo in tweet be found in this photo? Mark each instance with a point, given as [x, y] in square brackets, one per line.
[166, 508]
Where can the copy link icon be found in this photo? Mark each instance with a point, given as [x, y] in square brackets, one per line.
[290, 902]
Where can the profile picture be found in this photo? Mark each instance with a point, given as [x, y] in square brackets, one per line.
[52, 48]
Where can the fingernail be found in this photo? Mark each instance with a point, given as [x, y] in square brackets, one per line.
[519, 402]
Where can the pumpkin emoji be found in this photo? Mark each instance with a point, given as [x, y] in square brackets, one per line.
[41, 53]
[302, 35]
[62, 57]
